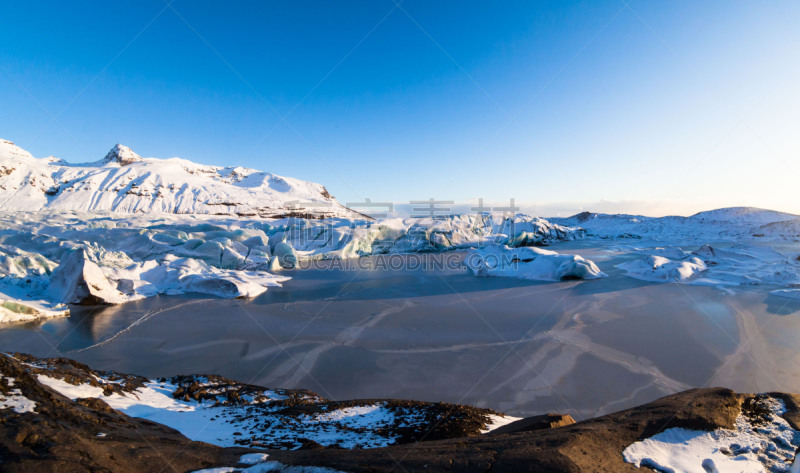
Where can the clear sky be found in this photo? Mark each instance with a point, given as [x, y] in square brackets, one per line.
[647, 107]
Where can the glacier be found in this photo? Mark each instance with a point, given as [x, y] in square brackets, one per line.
[50, 259]
[126, 227]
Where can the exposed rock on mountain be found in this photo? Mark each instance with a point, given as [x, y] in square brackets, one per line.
[62, 435]
[121, 155]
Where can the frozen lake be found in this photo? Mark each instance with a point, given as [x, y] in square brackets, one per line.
[440, 334]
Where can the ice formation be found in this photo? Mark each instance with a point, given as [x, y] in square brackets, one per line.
[730, 265]
[659, 268]
[530, 263]
[49, 259]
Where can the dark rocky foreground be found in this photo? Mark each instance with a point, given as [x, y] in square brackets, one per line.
[62, 435]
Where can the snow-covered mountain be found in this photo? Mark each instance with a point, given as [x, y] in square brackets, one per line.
[125, 182]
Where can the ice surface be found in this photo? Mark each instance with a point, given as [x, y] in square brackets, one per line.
[78, 280]
[16, 310]
[49, 258]
[412, 336]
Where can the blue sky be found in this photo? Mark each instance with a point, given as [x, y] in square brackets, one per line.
[642, 107]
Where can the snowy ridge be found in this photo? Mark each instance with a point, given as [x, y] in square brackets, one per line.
[125, 182]
[727, 223]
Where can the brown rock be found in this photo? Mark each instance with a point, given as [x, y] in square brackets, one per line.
[544, 421]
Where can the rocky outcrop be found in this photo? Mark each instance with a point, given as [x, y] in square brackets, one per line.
[122, 155]
[59, 434]
[229, 413]
[593, 445]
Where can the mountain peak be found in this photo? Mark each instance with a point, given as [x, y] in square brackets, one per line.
[122, 155]
[125, 182]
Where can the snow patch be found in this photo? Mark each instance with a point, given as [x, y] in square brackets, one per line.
[253, 458]
[258, 424]
[757, 444]
[497, 421]
[13, 398]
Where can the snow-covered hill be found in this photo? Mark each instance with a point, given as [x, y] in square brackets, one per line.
[125, 182]
[726, 223]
